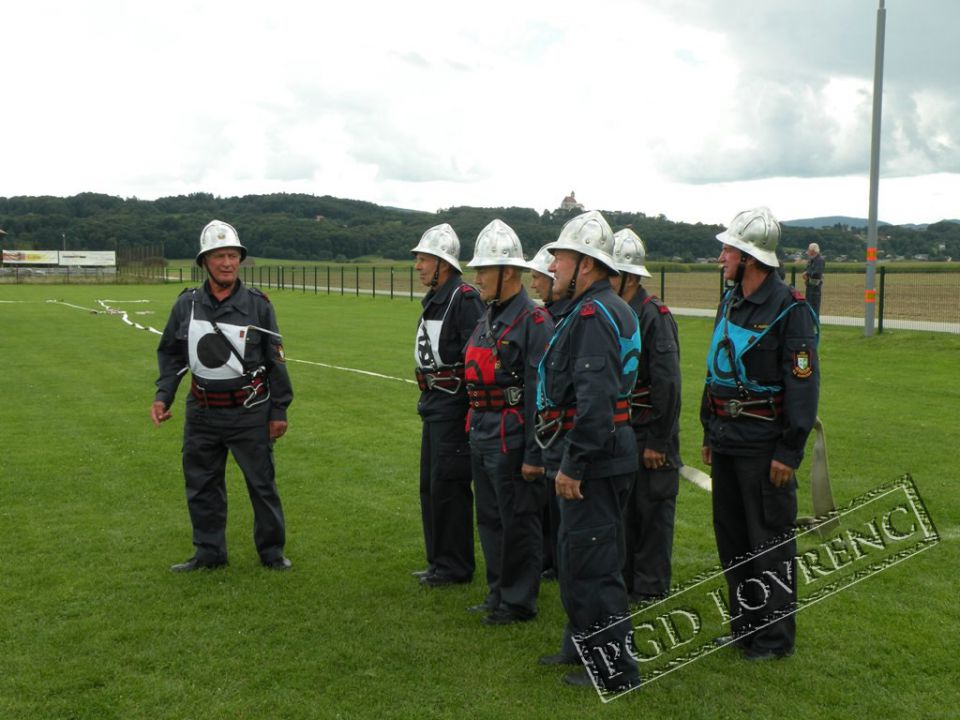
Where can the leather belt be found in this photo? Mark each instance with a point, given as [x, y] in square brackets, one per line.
[493, 397]
[759, 408]
[256, 392]
[446, 380]
[553, 422]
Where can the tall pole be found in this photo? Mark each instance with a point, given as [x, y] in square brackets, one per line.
[869, 293]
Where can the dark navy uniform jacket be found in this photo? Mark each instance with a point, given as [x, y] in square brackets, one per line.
[245, 306]
[450, 313]
[590, 364]
[522, 330]
[658, 427]
[781, 356]
[815, 267]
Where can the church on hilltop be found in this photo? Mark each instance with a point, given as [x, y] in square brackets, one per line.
[570, 203]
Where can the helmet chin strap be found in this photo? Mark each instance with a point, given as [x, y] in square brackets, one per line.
[436, 275]
[623, 284]
[740, 268]
[218, 283]
[572, 287]
[496, 297]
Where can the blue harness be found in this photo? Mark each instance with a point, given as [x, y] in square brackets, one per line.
[730, 343]
[629, 353]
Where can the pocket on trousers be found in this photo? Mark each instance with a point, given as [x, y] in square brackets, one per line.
[664, 484]
[529, 497]
[454, 462]
[592, 552]
[780, 504]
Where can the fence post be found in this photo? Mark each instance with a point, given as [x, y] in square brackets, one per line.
[411, 282]
[663, 283]
[374, 281]
[793, 276]
[883, 275]
[391, 282]
[341, 280]
[328, 279]
[357, 268]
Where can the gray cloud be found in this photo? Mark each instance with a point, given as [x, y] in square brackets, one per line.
[789, 52]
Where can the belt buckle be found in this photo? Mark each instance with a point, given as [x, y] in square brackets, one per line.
[513, 394]
[733, 407]
[543, 426]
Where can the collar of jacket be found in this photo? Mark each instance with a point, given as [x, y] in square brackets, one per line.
[508, 311]
[766, 289]
[235, 298]
[441, 295]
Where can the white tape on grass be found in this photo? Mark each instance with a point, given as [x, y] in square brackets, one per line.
[125, 316]
[353, 370]
[697, 477]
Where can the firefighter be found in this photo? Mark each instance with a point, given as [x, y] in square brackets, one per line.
[501, 375]
[655, 416]
[542, 283]
[451, 309]
[758, 407]
[225, 333]
[584, 382]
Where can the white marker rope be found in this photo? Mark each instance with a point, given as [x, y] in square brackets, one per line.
[697, 477]
[126, 317]
[78, 307]
[353, 370]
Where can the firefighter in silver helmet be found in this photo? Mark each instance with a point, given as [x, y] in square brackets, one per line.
[583, 395]
[225, 333]
[758, 407]
[451, 309]
[655, 417]
[508, 474]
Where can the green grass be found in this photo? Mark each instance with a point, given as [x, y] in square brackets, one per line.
[92, 514]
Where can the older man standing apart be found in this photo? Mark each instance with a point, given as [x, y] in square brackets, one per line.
[451, 309]
[585, 380]
[759, 405]
[813, 275]
[501, 374]
[225, 333]
[655, 416]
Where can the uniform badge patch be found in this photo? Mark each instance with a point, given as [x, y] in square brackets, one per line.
[801, 364]
[280, 356]
[588, 309]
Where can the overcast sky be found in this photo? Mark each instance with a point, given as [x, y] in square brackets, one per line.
[691, 108]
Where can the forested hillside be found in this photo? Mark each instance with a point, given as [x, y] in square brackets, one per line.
[307, 227]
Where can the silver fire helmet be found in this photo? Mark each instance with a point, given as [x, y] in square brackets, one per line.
[755, 232]
[629, 253]
[442, 242]
[218, 234]
[588, 234]
[542, 261]
[497, 244]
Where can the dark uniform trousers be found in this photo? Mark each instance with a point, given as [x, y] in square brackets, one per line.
[446, 499]
[207, 436]
[754, 526]
[509, 516]
[649, 520]
[813, 294]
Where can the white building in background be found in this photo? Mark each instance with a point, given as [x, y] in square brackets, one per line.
[570, 202]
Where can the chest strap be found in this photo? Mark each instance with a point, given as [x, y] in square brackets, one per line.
[493, 397]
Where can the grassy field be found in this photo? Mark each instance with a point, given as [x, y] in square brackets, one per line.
[93, 513]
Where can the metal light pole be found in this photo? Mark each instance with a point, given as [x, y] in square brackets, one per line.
[869, 293]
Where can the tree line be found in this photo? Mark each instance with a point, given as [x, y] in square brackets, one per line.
[307, 227]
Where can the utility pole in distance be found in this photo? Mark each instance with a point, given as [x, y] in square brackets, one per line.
[869, 293]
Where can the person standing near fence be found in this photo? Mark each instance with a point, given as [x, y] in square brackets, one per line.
[508, 474]
[225, 333]
[451, 309]
[585, 380]
[813, 275]
[655, 417]
[759, 405]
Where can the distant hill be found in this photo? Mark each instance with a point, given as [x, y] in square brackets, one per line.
[830, 221]
[851, 222]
